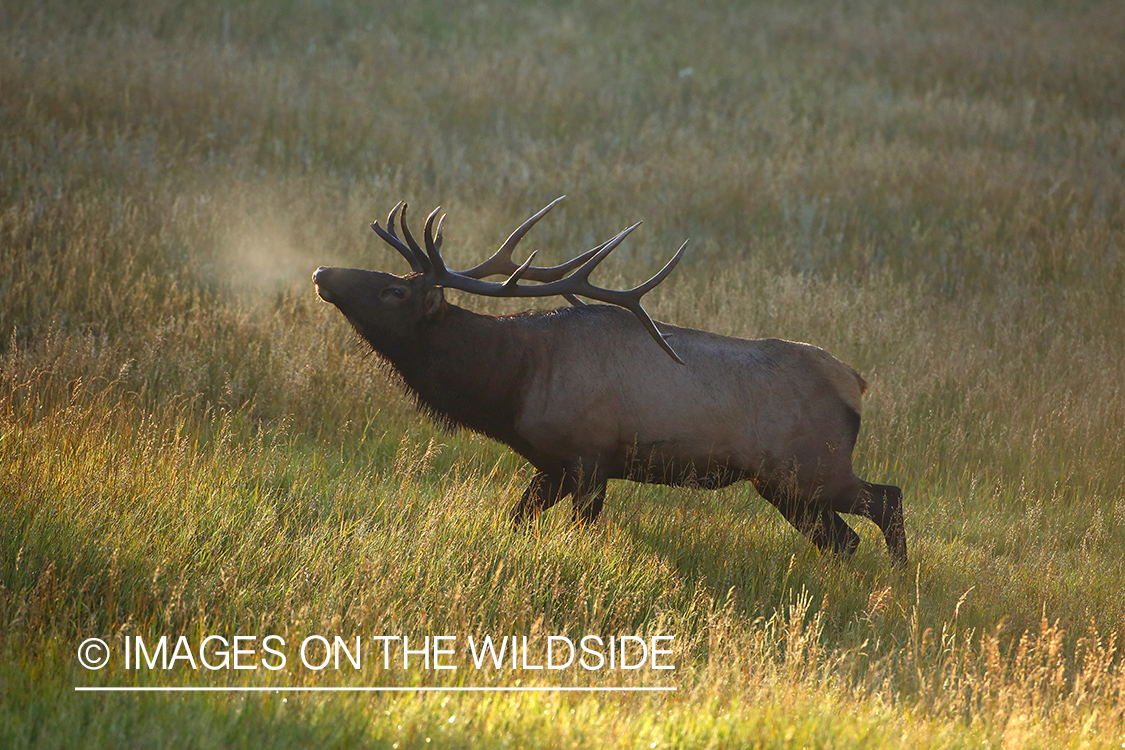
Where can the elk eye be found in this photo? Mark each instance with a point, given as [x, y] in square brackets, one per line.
[394, 292]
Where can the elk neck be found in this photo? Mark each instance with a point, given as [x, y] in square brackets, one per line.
[468, 369]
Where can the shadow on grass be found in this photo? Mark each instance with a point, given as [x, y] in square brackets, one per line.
[736, 548]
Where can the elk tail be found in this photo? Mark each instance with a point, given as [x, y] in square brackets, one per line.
[861, 381]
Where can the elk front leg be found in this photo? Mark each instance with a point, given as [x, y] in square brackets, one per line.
[822, 525]
[827, 530]
[587, 503]
[543, 491]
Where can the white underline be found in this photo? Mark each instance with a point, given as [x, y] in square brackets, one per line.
[256, 689]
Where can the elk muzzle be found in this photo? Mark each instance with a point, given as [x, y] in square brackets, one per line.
[322, 278]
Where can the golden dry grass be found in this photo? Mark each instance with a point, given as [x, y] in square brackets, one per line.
[190, 442]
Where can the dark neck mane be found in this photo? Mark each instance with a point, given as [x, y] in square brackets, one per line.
[466, 370]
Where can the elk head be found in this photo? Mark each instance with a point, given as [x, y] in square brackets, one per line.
[386, 308]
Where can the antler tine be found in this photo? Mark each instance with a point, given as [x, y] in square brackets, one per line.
[629, 299]
[431, 248]
[650, 326]
[437, 240]
[392, 217]
[648, 286]
[546, 274]
[408, 236]
[393, 241]
[501, 263]
[575, 264]
[388, 235]
[597, 255]
[514, 238]
[513, 280]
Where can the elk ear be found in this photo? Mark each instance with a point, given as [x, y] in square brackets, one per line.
[432, 301]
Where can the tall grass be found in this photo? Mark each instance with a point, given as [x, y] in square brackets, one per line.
[190, 443]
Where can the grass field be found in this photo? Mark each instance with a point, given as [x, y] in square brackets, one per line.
[192, 444]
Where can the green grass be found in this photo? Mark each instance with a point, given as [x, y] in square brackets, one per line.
[192, 444]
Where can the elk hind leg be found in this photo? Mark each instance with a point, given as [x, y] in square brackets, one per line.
[882, 503]
[890, 519]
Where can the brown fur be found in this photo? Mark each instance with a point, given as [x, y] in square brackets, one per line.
[585, 395]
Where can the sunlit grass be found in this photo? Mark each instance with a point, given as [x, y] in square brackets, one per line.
[190, 443]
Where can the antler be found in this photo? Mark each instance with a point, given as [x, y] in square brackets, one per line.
[500, 264]
[419, 263]
[555, 279]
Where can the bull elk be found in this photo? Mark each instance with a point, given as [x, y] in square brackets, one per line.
[585, 395]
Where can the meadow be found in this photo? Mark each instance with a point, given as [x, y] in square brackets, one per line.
[192, 444]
